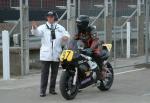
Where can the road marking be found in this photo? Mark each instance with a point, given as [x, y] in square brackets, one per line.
[1, 80]
[129, 71]
[18, 87]
[35, 84]
[148, 94]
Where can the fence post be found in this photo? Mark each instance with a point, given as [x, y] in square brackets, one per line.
[140, 28]
[24, 29]
[6, 61]
[71, 15]
[128, 39]
[147, 31]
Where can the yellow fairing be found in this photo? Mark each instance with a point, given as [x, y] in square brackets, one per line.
[66, 55]
[108, 46]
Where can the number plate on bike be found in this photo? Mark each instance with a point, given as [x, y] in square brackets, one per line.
[66, 55]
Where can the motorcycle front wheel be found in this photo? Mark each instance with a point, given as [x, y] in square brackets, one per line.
[67, 89]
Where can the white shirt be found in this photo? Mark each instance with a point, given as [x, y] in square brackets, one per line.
[50, 49]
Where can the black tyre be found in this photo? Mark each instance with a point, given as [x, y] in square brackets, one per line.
[67, 90]
[108, 81]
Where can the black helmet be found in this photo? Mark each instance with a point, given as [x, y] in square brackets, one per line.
[52, 13]
[82, 21]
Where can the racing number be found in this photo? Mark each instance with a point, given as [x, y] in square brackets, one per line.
[67, 54]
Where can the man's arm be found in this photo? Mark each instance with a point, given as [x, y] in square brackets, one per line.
[37, 31]
[65, 33]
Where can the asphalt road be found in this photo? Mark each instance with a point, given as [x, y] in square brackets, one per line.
[131, 85]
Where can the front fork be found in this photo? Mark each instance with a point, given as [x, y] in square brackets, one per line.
[75, 76]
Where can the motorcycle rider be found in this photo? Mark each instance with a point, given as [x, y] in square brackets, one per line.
[88, 35]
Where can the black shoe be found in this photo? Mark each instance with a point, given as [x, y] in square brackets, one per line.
[53, 92]
[42, 95]
[79, 91]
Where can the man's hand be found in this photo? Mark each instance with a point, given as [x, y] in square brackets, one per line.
[34, 24]
[65, 38]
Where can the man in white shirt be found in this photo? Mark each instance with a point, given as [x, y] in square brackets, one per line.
[52, 35]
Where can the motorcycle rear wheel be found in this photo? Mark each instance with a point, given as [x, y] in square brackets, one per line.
[106, 84]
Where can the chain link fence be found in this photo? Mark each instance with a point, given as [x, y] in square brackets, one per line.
[132, 11]
[122, 10]
[123, 13]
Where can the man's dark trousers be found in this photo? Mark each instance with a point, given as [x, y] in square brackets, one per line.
[45, 75]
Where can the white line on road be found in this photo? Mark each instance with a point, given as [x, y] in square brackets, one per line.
[129, 71]
[148, 94]
[34, 84]
[8, 80]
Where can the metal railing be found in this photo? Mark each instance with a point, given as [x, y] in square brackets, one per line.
[134, 10]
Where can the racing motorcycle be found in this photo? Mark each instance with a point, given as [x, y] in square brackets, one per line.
[80, 70]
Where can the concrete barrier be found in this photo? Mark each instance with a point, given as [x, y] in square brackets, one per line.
[15, 61]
